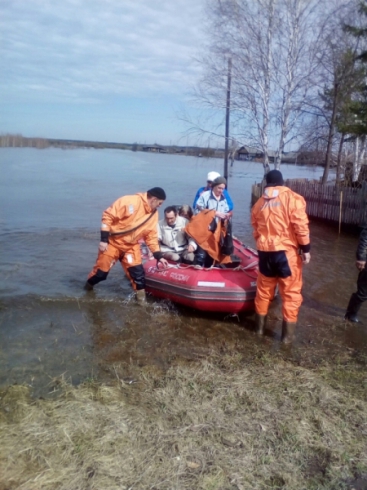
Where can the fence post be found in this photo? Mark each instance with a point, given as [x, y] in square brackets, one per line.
[340, 210]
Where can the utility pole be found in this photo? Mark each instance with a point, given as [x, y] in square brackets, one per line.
[227, 119]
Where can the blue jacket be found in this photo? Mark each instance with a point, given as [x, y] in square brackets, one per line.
[225, 194]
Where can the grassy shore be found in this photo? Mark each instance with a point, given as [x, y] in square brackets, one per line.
[216, 424]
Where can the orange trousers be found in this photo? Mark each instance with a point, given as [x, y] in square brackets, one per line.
[289, 289]
[128, 256]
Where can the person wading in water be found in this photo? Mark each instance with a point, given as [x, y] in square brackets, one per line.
[124, 223]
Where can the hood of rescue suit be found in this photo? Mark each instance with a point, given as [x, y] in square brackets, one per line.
[144, 198]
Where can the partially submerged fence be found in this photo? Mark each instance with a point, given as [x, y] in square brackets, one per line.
[344, 205]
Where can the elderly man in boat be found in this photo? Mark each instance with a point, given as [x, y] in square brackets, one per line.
[174, 243]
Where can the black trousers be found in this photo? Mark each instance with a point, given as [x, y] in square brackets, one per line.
[274, 264]
[202, 258]
[360, 296]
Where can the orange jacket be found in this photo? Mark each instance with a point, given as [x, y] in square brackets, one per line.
[279, 220]
[126, 213]
[198, 229]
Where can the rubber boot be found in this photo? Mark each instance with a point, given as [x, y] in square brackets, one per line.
[260, 321]
[352, 317]
[352, 309]
[288, 329]
[141, 296]
[88, 286]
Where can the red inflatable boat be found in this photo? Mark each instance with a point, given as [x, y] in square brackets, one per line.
[229, 290]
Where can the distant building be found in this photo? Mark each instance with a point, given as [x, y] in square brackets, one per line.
[290, 157]
[247, 153]
[155, 149]
[252, 153]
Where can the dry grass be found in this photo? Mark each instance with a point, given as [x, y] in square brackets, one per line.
[215, 424]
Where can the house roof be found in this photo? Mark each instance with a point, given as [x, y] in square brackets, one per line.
[251, 150]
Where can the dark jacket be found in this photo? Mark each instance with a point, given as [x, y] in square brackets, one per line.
[362, 245]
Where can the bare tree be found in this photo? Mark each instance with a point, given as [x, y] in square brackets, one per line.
[299, 38]
[273, 45]
[233, 148]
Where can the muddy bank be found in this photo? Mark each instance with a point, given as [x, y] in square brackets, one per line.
[94, 338]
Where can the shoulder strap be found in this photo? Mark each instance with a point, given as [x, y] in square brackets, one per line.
[126, 232]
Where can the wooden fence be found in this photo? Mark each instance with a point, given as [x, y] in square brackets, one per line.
[339, 204]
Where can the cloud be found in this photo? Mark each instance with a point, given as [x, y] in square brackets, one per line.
[85, 50]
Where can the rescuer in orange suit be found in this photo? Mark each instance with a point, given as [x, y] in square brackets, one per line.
[124, 223]
[282, 237]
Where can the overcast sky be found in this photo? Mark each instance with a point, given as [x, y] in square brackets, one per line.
[106, 70]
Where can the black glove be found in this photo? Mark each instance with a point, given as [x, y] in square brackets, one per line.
[104, 236]
[305, 248]
[158, 256]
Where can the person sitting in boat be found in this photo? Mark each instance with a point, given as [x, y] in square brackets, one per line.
[173, 241]
[186, 212]
[215, 200]
[211, 177]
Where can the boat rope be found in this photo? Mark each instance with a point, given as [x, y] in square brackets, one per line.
[250, 266]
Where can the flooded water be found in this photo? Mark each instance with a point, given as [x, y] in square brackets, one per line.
[51, 203]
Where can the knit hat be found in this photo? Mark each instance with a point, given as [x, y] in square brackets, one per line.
[212, 176]
[274, 177]
[219, 180]
[157, 192]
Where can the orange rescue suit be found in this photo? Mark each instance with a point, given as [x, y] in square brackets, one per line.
[281, 229]
[198, 229]
[127, 213]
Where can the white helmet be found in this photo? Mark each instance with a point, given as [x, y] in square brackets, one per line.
[212, 176]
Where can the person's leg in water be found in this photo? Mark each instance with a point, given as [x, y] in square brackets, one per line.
[132, 264]
[104, 263]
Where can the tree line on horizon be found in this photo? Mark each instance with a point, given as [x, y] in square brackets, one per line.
[20, 141]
